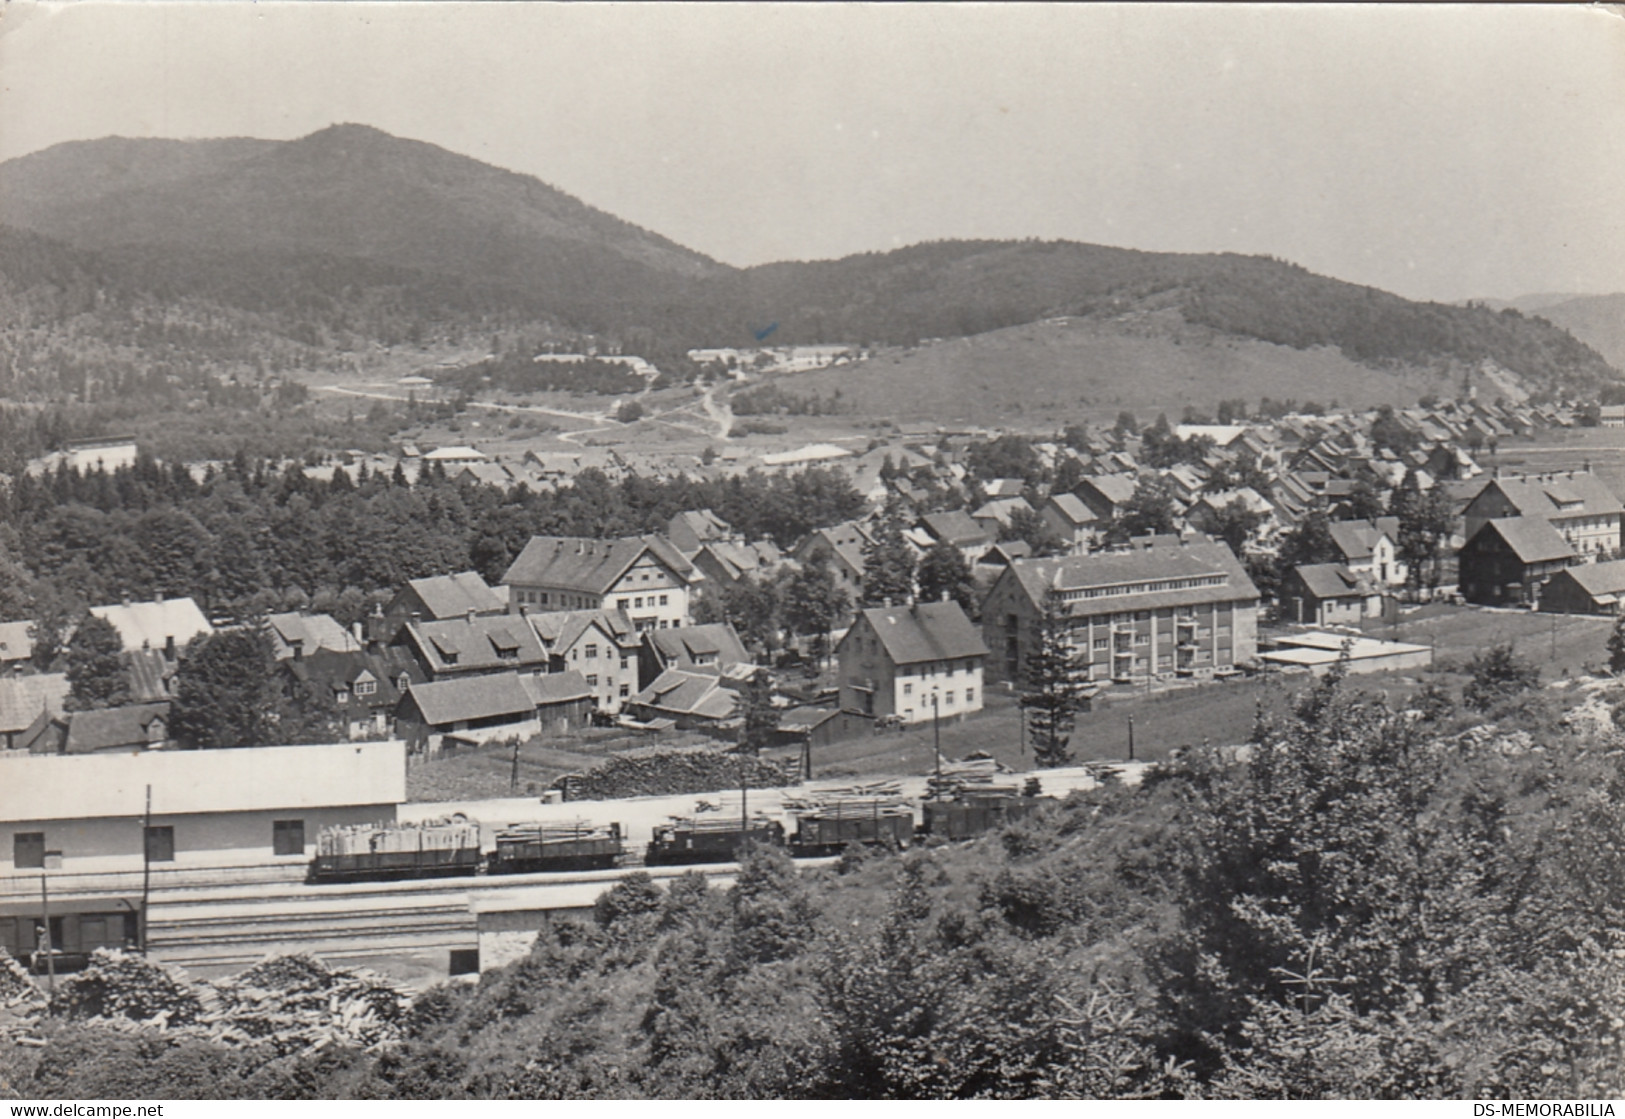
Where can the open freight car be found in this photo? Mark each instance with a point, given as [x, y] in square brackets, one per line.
[392, 852]
[971, 814]
[828, 827]
[575, 845]
[709, 841]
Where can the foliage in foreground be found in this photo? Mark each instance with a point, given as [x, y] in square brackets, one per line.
[1353, 907]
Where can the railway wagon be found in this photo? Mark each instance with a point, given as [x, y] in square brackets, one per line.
[709, 841]
[828, 828]
[577, 845]
[972, 815]
[77, 928]
[391, 852]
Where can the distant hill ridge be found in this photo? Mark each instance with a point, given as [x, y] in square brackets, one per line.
[350, 222]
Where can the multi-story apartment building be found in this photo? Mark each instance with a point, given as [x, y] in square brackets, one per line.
[914, 662]
[1165, 606]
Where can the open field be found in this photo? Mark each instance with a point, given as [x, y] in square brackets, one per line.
[1561, 644]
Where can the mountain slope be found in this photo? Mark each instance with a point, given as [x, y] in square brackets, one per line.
[1596, 320]
[350, 230]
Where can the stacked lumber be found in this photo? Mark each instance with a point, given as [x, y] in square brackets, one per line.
[124, 986]
[712, 825]
[286, 1004]
[673, 772]
[18, 991]
[451, 834]
[972, 777]
[568, 831]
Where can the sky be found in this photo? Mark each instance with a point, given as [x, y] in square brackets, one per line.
[1440, 152]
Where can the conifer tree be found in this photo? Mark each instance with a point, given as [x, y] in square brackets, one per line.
[1055, 675]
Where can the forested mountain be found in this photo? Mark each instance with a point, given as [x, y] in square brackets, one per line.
[350, 231]
[1596, 320]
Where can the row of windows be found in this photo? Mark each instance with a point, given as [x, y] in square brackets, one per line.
[636, 603]
[946, 701]
[567, 601]
[930, 668]
[1149, 587]
[28, 847]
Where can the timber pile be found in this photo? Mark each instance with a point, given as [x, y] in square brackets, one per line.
[568, 831]
[18, 991]
[120, 985]
[287, 1004]
[673, 772]
[451, 834]
[972, 776]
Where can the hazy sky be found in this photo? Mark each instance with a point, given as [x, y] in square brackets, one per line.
[1438, 152]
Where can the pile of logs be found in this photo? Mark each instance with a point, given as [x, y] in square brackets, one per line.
[673, 772]
[18, 991]
[287, 1004]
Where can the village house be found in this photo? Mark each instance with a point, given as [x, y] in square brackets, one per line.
[645, 577]
[692, 530]
[473, 645]
[957, 529]
[295, 635]
[912, 662]
[164, 624]
[841, 546]
[439, 597]
[713, 648]
[1106, 494]
[362, 686]
[1327, 594]
[994, 516]
[141, 726]
[474, 709]
[1505, 562]
[1166, 605]
[725, 562]
[1612, 415]
[23, 699]
[689, 701]
[601, 645]
[1589, 588]
[1575, 503]
[1070, 519]
[1371, 548]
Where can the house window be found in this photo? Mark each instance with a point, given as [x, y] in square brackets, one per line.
[592, 652]
[626, 690]
[1100, 642]
[592, 681]
[287, 837]
[970, 695]
[342, 698]
[161, 844]
[662, 600]
[908, 689]
[366, 687]
[948, 698]
[626, 663]
[622, 603]
[404, 682]
[543, 597]
[28, 850]
[637, 603]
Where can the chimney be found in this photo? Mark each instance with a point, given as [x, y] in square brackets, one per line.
[471, 612]
[298, 647]
[417, 616]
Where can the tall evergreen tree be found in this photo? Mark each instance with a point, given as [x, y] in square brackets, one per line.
[814, 602]
[761, 717]
[226, 692]
[944, 573]
[1055, 675]
[888, 565]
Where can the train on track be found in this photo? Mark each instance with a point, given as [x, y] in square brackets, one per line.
[822, 826]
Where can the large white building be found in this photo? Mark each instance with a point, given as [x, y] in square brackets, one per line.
[913, 662]
[645, 577]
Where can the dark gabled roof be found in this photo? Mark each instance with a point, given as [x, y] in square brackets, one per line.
[677, 692]
[1531, 539]
[474, 642]
[309, 632]
[22, 698]
[930, 631]
[112, 728]
[561, 629]
[1331, 580]
[1115, 488]
[955, 527]
[557, 687]
[487, 696]
[1598, 579]
[1358, 539]
[1071, 507]
[590, 566]
[679, 648]
[338, 672]
[1546, 495]
[1166, 557]
[149, 672]
[453, 596]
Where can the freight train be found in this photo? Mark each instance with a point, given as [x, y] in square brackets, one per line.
[826, 826]
[78, 926]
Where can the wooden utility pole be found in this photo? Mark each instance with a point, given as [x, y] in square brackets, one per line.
[50, 947]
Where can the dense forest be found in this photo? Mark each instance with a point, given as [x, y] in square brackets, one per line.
[250, 539]
[1354, 906]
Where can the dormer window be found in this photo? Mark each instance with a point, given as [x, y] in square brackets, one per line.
[366, 687]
